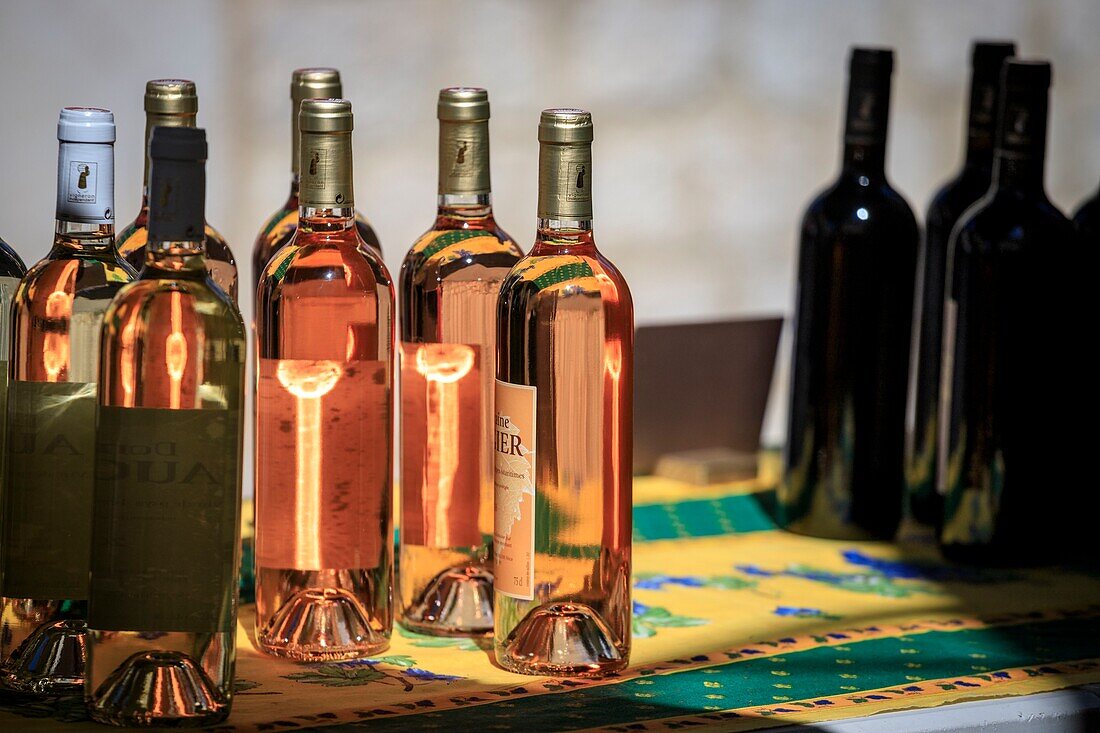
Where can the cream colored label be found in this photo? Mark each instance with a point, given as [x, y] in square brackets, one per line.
[326, 170]
[464, 157]
[514, 484]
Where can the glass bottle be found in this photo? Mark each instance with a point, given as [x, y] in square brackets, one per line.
[924, 504]
[278, 230]
[450, 281]
[324, 419]
[562, 432]
[167, 505]
[12, 271]
[1012, 370]
[844, 473]
[174, 103]
[56, 316]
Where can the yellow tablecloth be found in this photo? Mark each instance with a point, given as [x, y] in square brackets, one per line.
[736, 625]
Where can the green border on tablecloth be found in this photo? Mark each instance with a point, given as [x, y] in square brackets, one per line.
[900, 665]
[734, 514]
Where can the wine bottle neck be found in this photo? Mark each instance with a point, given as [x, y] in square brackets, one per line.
[464, 158]
[158, 119]
[1018, 172]
[1020, 152]
[979, 154]
[867, 114]
[558, 236]
[325, 178]
[461, 207]
[84, 237]
[86, 185]
[565, 183]
[864, 159]
[177, 201]
[174, 259]
[981, 122]
[325, 219]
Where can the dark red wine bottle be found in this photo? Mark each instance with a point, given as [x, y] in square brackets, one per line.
[844, 467]
[1008, 472]
[948, 205]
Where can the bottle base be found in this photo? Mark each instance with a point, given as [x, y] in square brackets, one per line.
[50, 661]
[161, 689]
[562, 640]
[319, 625]
[457, 602]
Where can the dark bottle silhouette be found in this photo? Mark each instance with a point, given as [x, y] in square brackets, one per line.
[1087, 221]
[844, 472]
[1007, 465]
[948, 205]
[844, 468]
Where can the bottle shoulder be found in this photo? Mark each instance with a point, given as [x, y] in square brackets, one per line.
[201, 295]
[335, 257]
[1087, 216]
[954, 197]
[443, 252]
[81, 276]
[279, 228]
[847, 210]
[563, 276]
[1002, 219]
[216, 244]
[366, 231]
[280, 224]
[11, 264]
[135, 236]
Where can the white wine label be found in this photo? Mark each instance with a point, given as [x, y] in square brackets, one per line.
[442, 445]
[86, 182]
[167, 520]
[47, 500]
[514, 527]
[323, 464]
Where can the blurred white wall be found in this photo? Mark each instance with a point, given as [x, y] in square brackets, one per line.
[715, 121]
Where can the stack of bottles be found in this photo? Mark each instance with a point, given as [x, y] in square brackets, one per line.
[124, 414]
[988, 459]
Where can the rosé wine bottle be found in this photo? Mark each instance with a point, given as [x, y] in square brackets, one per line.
[56, 318]
[562, 432]
[324, 419]
[450, 282]
[162, 611]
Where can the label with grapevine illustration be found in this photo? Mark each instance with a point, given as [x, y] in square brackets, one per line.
[47, 502]
[514, 451]
[167, 520]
